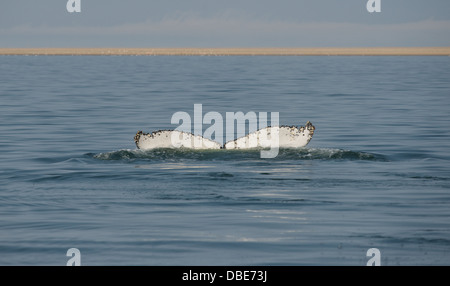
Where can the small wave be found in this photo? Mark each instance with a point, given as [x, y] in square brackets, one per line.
[237, 155]
[328, 154]
[156, 154]
[419, 239]
[422, 177]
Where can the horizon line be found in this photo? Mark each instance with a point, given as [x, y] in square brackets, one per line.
[249, 51]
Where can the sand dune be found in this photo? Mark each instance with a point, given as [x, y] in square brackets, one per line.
[378, 51]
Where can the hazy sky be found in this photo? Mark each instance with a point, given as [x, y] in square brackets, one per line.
[224, 23]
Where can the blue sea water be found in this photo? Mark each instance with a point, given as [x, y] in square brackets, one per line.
[375, 175]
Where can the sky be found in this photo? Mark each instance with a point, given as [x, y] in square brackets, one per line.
[223, 23]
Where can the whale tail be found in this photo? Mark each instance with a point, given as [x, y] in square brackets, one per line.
[173, 139]
[288, 137]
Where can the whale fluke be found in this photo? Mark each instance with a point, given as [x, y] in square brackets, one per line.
[173, 139]
[288, 137]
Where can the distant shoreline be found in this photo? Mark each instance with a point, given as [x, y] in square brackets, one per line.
[376, 51]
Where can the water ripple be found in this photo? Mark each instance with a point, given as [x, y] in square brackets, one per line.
[237, 155]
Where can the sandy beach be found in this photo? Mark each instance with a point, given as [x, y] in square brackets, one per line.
[378, 51]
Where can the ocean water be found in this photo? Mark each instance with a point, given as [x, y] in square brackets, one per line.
[375, 175]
